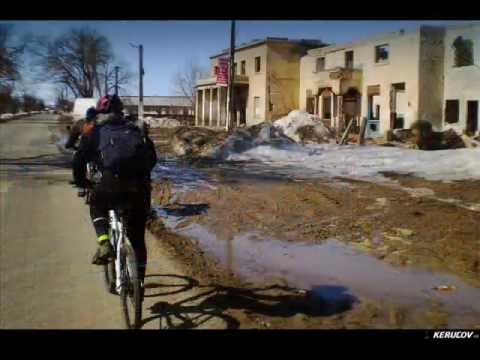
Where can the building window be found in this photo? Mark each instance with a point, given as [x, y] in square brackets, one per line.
[463, 52]
[256, 107]
[381, 53]
[320, 64]
[257, 64]
[451, 111]
[349, 59]
[235, 68]
[216, 69]
[242, 67]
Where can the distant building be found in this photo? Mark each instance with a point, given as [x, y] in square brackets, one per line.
[175, 107]
[267, 75]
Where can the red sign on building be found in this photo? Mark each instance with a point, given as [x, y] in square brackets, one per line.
[222, 74]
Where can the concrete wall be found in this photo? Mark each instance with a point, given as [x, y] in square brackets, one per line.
[401, 67]
[462, 83]
[283, 78]
[431, 84]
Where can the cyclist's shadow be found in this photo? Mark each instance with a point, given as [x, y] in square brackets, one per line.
[210, 304]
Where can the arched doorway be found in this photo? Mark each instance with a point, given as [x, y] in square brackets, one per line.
[351, 107]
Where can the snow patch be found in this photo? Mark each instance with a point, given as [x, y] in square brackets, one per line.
[367, 162]
[81, 105]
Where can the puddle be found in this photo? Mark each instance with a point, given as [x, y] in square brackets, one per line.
[335, 265]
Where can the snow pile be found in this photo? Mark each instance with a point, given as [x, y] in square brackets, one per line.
[244, 139]
[162, 122]
[366, 162]
[6, 116]
[298, 119]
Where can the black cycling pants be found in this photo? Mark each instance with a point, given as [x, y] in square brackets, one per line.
[102, 201]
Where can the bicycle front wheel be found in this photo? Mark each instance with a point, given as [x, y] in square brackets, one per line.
[130, 293]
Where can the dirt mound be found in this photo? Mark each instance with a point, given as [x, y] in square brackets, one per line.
[421, 136]
[196, 141]
[309, 135]
[244, 139]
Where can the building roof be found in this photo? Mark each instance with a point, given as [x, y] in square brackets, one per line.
[181, 101]
[312, 43]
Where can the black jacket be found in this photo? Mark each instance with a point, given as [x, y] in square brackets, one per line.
[88, 151]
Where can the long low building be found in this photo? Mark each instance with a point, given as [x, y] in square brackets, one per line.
[175, 107]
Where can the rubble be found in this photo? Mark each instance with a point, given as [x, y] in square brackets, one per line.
[247, 138]
[162, 122]
[421, 136]
[196, 141]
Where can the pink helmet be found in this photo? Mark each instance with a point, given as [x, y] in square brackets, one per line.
[109, 103]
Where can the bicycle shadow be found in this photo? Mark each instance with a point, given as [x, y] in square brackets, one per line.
[214, 304]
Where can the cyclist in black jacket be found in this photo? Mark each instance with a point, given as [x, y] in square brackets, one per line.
[133, 192]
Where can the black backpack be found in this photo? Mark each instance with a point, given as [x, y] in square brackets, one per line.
[122, 150]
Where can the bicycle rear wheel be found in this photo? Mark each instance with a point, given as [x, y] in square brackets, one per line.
[130, 294]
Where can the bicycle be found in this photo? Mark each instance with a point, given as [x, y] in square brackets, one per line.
[121, 274]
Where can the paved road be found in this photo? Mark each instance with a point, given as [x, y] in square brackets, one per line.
[46, 243]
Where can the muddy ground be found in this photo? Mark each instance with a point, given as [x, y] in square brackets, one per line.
[385, 221]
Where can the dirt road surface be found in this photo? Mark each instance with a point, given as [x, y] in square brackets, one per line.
[47, 241]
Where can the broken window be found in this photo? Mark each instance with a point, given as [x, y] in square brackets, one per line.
[310, 106]
[381, 53]
[320, 64]
[349, 59]
[451, 111]
[463, 52]
[242, 67]
[257, 64]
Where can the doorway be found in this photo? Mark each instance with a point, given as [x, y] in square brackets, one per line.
[472, 116]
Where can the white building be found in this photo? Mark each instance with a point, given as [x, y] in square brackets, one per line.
[394, 79]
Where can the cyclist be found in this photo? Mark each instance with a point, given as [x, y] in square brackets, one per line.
[81, 127]
[124, 156]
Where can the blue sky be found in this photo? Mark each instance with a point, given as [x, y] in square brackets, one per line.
[169, 45]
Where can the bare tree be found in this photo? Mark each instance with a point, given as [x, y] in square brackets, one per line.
[10, 56]
[108, 77]
[75, 59]
[185, 80]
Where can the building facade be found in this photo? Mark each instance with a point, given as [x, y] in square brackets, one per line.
[430, 73]
[266, 84]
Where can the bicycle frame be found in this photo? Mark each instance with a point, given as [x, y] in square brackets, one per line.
[117, 240]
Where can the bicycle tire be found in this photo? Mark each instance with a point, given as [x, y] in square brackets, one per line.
[130, 290]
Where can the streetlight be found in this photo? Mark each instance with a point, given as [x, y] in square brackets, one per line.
[140, 83]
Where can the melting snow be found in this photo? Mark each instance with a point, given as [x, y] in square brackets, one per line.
[367, 161]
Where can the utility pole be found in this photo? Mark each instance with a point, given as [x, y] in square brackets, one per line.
[140, 90]
[106, 82]
[116, 80]
[140, 82]
[231, 78]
